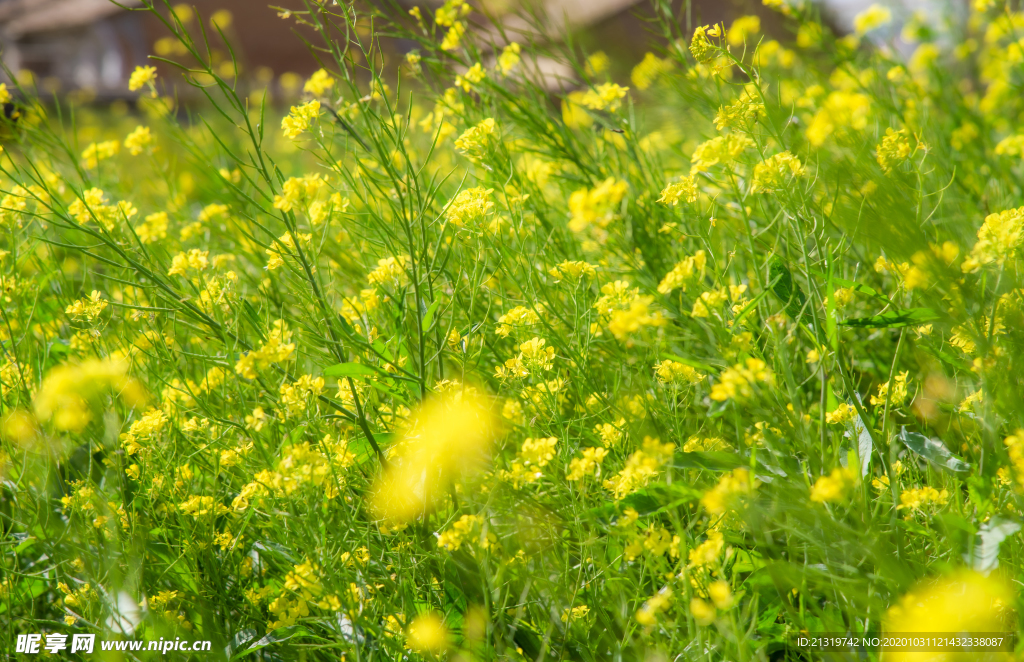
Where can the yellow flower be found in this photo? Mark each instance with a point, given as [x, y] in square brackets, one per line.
[872, 18]
[596, 206]
[998, 238]
[68, 390]
[773, 173]
[470, 207]
[475, 140]
[684, 189]
[671, 372]
[300, 118]
[964, 601]
[641, 468]
[473, 75]
[739, 381]
[706, 554]
[648, 613]
[97, 152]
[647, 72]
[607, 96]
[138, 140]
[702, 611]
[589, 464]
[597, 63]
[509, 58]
[834, 486]
[721, 594]
[893, 150]
[467, 528]
[427, 634]
[276, 349]
[575, 614]
[87, 309]
[916, 499]
[445, 438]
[701, 47]
[319, 83]
[721, 149]
[841, 415]
[141, 77]
[840, 110]
[453, 37]
[5, 94]
[743, 27]
[895, 391]
[688, 270]
[730, 488]
[573, 270]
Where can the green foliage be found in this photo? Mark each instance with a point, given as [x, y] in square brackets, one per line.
[463, 359]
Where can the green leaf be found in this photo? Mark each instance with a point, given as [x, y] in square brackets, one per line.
[351, 370]
[932, 450]
[784, 287]
[428, 317]
[895, 319]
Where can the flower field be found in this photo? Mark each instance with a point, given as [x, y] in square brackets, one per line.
[454, 358]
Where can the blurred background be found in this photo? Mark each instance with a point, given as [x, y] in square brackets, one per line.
[88, 48]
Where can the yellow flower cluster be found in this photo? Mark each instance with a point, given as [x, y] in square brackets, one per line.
[998, 238]
[641, 468]
[597, 206]
[688, 270]
[516, 319]
[774, 172]
[470, 207]
[67, 392]
[145, 429]
[87, 309]
[295, 396]
[895, 391]
[319, 83]
[390, 272]
[719, 150]
[477, 140]
[894, 149]
[741, 380]
[917, 499]
[573, 271]
[588, 464]
[276, 349]
[834, 486]
[300, 119]
[673, 372]
[724, 496]
[607, 96]
[468, 528]
[649, 70]
[685, 189]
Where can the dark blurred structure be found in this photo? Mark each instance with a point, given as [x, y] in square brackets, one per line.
[95, 44]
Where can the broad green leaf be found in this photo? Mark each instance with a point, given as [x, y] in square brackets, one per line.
[894, 319]
[932, 450]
